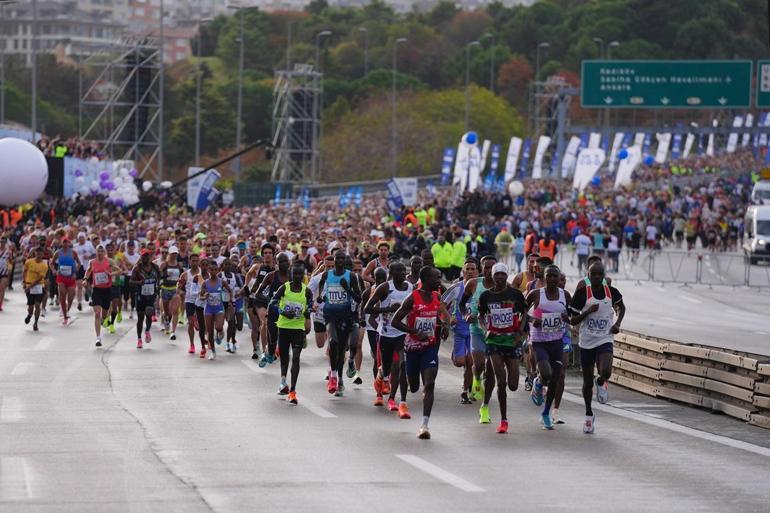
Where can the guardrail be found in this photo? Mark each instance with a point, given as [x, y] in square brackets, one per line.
[723, 380]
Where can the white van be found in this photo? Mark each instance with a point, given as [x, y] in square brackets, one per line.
[760, 194]
[756, 233]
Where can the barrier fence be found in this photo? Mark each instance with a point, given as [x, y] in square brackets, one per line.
[723, 380]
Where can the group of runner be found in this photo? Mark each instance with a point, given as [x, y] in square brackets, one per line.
[279, 293]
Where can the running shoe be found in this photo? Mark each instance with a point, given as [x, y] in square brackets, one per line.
[154, 318]
[112, 329]
[80, 307]
[139, 343]
[477, 390]
[545, 420]
[357, 379]
[332, 386]
[464, 399]
[119, 317]
[203, 353]
[270, 358]
[173, 336]
[234, 348]
[263, 361]
[503, 427]
[424, 433]
[218, 340]
[212, 355]
[385, 386]
[537, 392]
[602, 392]
[227, 347]
[192, 349]
[255, 355]
[403, 411]
[555, 418]
[34, 327]
[378, 400]
[484, 414]
[147, 337]
[392, 404]
[340, 390]
[106, 322]
[292, 398]
[27, 319]
[283, 389]
[351, 369]
[588, 425]
[98, 342]
[377, 384]
[528, 383]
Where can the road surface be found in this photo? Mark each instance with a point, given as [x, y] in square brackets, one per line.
[119, 430]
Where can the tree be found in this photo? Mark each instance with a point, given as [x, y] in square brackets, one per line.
[513, 80]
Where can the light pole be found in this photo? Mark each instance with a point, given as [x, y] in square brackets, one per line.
[198, 81]
[468, 81]
[2, 59]
[34, 69]
[491, 37]
[544, 44]
[393, 137]
[319, 102]
[366, 49]
[610, 46]
[600, 43]
[239, 101]
[288, 45]
[162, 86]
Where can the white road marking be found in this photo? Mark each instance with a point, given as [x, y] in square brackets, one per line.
[21, 368]
[439, 473]
[15, 479]
[638, 405]
[44, 344]
[691, 299]
[10, 409]
[310, 406]
[678, 321]
[761, 333]
[676, 428]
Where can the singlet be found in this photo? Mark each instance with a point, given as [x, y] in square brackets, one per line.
[66, 263]
[235, 282]
[523, 284]
[264, 297]
[423, 318]
[101, 273]
[191, 288]
[132, 259]
[149, 286]
[550, 312]
[171, 276]
[214, 299]
[595, 328]
[183, 261]
[337, 300]
[394, 296]
[296, 302]
[473, 306]
[452, 296]
[5, 260]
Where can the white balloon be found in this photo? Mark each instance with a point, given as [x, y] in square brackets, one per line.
[166, 184]
[23, 171]
[80, 180]
[146, 185]
[516, 188]
[94, 160]
[113, 195]
[123, 172]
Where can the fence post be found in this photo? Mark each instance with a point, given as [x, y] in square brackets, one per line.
[699, 268]
[651, 267]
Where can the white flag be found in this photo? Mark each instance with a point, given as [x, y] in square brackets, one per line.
[594, 140]
[512, 160]
[537, 166]
[474, 168]
[710, 145]
[627, 166]
[639, 139]
[663, 142]
[688, 145]
[748, 124]
[732, 140]
[484, 153]
[570, 156]
[460, 178]
[589, 161]
[616, 142]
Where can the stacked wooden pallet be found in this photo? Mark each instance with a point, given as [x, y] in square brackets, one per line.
[732, 382]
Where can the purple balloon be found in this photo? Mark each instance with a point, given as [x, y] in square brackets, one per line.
[78, 172]
[104, 176]
[119, 202]
[134, 173]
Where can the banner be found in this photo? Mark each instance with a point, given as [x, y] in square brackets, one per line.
[460, 178]
[514, 148]
[688, 142]
[616, 142]
[525, 157]
[495, 162]
[732, 139]
[639, 139]
[446, 165]
[542, 146]
[570, 156]
[588, 163]
[394, 200]
[663, 142]
[484, 154]
[408, 190]
[474, 168]
[594, 140]
[200, 190]
[748, 123]
[710, 144]
[646, 145]
[676, 147]
[627, 166]
[764, 120]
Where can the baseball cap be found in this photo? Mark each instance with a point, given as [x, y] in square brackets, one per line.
[173, 249]
[499, 268]
[145, 251]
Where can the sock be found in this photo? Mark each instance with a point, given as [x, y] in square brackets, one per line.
[283, 380]
[402, 402]
[425, 421]
[547, 409]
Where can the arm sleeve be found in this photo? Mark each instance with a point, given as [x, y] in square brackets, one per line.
[617, 297]
[578, 301]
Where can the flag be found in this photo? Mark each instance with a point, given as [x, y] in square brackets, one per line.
[525, 157]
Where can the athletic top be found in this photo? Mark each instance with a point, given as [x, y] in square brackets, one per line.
[550, 313]
[452, 297]
[5, 259]
[423, 318]
[191, 288]
[394, 296]
[214, 299]
[595, 328]
[149, 286]
[101, 273]
[235, 281]
[502, 311]
[337, 300]
[264, 297]
[473, 305]
[296, 302]
[66, 262]
[171, 276]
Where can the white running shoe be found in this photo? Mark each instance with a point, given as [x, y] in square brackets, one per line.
[555, 418]
[603, 392]
[588, 425]
[212, 355]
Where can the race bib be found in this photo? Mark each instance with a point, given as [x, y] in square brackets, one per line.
[148, 289]
[293, 307]
[101, 278]
[425, 325]
[225, 296]
[598, 326]
[65, 270]
[336, 295]
[214, 299]
[36, 289]
[172, 274]
[552, 323]
[500, 318]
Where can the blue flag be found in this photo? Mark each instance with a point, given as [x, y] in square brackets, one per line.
[524, 164]
[446, 166]
[358, 195]
[277, 193]
[676, 147]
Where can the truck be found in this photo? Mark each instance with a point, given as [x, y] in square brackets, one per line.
[756, 234]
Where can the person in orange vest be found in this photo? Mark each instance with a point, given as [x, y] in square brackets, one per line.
[547, 246]
[529, 242]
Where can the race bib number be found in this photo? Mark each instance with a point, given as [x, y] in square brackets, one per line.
[336, 295]
[36, 289]
[172, 274]
[501, 318]
[293, 307]
[148, 289]
[598, 326]
[65, 270]
[425, 325]
[101, 278]
[225, 296]
[552, 323]
[214, 300]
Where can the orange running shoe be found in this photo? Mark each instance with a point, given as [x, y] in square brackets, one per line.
[385, 386]
[392, 405]
[503, 427]
[292, 398]
[403, 411]
[378, 385]
[203, 352]
[378, 400]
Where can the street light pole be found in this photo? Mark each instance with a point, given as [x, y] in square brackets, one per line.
[468, 81]
[34, 69]
[607, 113]
[544, 44]
[319, 102]
[288, 46]
[2, 62]
[600, 43]
[366, 49]
[491, 36]
[198, 84]
[162, 85]
[239, 107]
[393, 135]
[610, 46]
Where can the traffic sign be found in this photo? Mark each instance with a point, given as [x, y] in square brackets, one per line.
[666, 84]
[763, 83]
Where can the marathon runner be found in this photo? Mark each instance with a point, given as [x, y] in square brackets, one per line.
[6, 266]
[146, 278]
[521, 282]
[317, 315]
[234, 303]
[170, 271]
[131, 256]
[355, 354]
[382, 260]
[189, 287]
[267, 288]
[86, 252]
[64, 265]
[372, 323]
[212, 292]
[99, 273]
[257, 303]
[33, 282]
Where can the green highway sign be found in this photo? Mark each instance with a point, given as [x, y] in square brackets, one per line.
[666, 84]
[763, 83]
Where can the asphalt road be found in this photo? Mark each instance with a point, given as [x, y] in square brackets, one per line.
[120, 430]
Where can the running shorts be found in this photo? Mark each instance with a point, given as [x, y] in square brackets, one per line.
[101, 297]
[504, 351]
[462, 346]
[418, 361]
